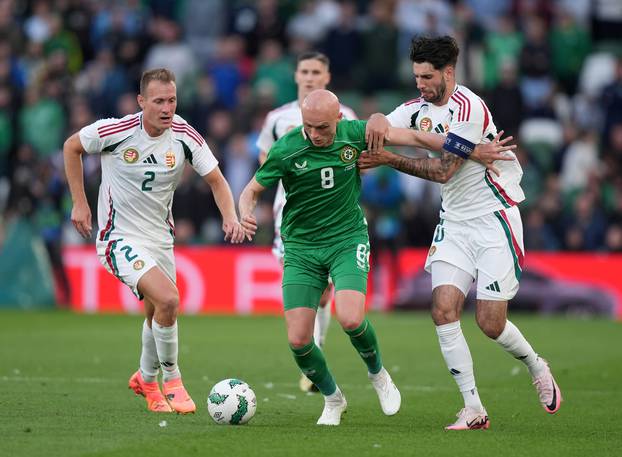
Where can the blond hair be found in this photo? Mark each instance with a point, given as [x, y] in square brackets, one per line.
[157, 74]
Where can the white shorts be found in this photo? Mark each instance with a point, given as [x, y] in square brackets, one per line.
[129, 260]
[489, 248]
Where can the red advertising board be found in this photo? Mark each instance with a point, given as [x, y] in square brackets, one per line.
[245, 280]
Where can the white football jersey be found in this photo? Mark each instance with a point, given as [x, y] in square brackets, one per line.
[278, 122]
[472, 191]
[140, 174]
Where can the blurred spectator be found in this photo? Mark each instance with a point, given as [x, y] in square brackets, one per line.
[259, 24]
[379, 45]
[227, 70]
[580, 161]
[112, 24]
[342, 46]
[611, 102]
[422, 17]
[570, 44]
[10, 26]
[585, 224]
[501, 44]
[172, 52]
[42, 123]
[539, 236]
[312, 20]
[63, 40]
[103, 81]
[507, 94]
[239, 165]
[37, 26]
[488, 12]
[535, 65]
[219, 128]
[613, 239]
[203, 40]
[273, 76]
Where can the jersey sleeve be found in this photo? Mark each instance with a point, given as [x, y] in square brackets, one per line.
[196, 151]
[466, 128]
[99, 135]
[267, 135]
[358, 130]
[203, 160]
[400, 117]
[271, 171]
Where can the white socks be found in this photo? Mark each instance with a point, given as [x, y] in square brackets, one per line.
[458, 359]
[149, 363]
[322, 321]
[166, 344]
[513, 341]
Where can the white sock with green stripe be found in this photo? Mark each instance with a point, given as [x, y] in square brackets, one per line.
[458, 358]
[513, 341]
[149, 363]
[167, 345]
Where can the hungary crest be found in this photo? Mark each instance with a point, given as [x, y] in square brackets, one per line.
[426, 124]
[169, 159]
[348, 154]
[130, 155]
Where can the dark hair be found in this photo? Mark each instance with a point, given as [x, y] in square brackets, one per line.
[157, 74]
[439, 51]
[313, 55]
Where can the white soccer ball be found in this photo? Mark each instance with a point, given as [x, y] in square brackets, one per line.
[231, 401]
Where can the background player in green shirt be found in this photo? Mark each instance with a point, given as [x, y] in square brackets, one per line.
[324, 232]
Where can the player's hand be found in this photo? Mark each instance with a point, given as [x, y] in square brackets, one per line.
[487, 153]
[368, 160]
[249, 224]
[81, 219]
[233, 231]
[375, 132]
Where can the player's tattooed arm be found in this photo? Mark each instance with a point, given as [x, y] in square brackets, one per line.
[433, 169]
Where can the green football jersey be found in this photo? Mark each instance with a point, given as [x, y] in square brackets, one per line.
[322, 184]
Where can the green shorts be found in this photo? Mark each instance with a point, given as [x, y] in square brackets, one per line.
[306, 270]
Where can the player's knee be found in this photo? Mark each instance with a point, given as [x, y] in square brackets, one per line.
[491, 328]
[169, 303]
[442, 316]
[351, 322]
[298, 341]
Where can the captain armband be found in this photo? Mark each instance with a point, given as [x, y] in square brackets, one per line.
[459, 146]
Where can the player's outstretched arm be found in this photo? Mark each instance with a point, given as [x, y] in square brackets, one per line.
[425, 168]
[224, 200]
[246, 206]
[80, 213]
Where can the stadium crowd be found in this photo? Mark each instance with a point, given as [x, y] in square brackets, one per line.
[550, 72]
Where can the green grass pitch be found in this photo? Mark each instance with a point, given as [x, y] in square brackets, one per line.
[64, 390]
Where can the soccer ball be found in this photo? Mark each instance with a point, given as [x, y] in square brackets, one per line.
[231, 401]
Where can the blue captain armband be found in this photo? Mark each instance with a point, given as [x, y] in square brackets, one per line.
[459, 146]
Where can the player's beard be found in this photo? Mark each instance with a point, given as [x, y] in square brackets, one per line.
[440, 94]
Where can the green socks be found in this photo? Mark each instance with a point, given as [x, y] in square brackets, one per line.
[312, 363]
[364, 341]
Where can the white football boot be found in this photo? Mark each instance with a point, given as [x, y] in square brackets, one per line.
[389, 396]
[334, 406]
